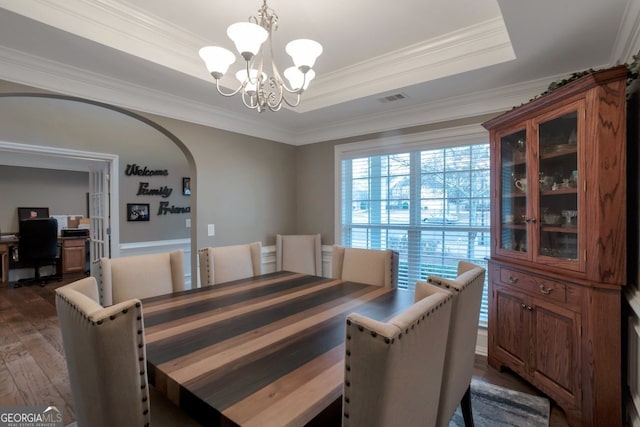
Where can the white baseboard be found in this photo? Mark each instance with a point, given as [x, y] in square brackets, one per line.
[269, 259]
[482, 347]
[16, 274]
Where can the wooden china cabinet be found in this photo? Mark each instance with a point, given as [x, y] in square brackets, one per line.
[558, 245]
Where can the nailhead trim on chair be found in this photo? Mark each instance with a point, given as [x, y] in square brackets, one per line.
[438, 283]
[387, 340]
[141, 358]
[100, 283]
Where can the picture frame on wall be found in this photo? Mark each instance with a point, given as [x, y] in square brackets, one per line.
[137, 211]
[27, 213]
[186, 186]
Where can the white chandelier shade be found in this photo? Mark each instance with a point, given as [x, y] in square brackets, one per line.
[252, 79]
[248, 38]
[304, 52]
[217, 60]
[298, 79]
[262, 89]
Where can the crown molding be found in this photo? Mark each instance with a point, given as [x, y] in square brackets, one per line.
[627, 41]
[456, 136]
[34, 71]
[458, 107]
[473, 47]
[120, 26]
[18, 67]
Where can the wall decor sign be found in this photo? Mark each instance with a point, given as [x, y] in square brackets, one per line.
[144, 190]
[186, 186]
[137, 212]
[135, 170]
[164, 209]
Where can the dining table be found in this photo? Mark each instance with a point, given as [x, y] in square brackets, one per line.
[262, 351]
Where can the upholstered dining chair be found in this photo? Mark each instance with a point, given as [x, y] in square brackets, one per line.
[141, 276]
[466, 289]
[370, 266]
[105, 354]
[393, 370]
[299, 253]
[227, 263]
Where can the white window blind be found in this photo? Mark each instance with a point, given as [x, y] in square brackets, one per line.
[430, 205]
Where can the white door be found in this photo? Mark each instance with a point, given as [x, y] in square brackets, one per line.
[99, 216]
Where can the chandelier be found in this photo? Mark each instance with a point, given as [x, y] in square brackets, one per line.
[260, 91]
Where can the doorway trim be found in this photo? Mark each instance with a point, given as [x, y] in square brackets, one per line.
[61, 158]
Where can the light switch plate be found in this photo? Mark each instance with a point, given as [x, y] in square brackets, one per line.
[188, 223]
[211, 230]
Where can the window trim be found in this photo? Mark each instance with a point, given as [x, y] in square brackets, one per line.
[440, 138]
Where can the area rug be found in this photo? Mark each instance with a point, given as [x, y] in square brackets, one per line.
[494, 406]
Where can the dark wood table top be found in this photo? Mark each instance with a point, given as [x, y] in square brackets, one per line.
[262, 351]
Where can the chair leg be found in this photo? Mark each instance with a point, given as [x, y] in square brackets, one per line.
[465, 405]
[37, 279]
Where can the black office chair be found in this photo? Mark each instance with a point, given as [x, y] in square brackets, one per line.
[38, 244]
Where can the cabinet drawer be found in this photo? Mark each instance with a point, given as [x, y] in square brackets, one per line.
[68, 243]
[539, 286]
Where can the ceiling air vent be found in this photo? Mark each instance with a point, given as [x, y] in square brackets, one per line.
[393, 98]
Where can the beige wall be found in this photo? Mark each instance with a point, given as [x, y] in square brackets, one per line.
[63, 192]
[243, 185]
[250, 188]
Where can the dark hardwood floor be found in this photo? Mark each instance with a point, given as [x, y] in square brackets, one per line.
[33, 370]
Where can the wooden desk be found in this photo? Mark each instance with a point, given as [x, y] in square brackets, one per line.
[261, 351]
[5, 245]
[72, 255]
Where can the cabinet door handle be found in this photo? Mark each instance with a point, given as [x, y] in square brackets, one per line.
[545, 290]
[529, 308]
[513, 280]
[523, 306]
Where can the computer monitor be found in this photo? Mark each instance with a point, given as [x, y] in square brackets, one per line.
[26, 213]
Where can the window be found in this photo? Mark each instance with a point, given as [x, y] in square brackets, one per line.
[429, 204]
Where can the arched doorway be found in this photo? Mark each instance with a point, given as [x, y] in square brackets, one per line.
[59, 130]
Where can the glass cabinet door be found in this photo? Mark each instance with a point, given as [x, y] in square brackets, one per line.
[513, 197]
[559, 182]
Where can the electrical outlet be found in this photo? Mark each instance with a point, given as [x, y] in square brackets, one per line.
[188, 223]
[211, 230]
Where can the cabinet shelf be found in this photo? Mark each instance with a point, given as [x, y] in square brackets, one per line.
[559, 229]
[559, 152]
[559, 192]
